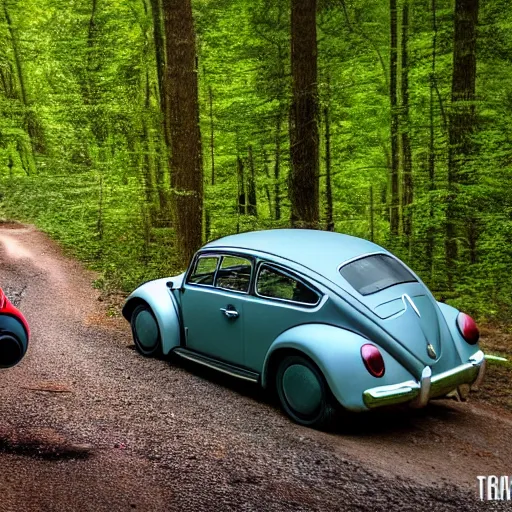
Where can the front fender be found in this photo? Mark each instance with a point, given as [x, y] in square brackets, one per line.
[164, 306]
[337, 352]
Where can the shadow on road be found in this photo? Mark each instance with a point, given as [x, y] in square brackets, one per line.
[44, 444]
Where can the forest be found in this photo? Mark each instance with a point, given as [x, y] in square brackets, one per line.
[133, 131]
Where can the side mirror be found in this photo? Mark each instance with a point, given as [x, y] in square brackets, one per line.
[171, 286]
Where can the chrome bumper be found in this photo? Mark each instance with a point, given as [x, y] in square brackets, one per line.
[419, 393]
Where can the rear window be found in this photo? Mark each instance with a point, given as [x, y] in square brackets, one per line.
[374, 273]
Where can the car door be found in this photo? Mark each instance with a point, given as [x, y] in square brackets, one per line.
[213, 306]
[281, 301]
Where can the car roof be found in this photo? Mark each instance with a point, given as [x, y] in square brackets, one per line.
[321, 251]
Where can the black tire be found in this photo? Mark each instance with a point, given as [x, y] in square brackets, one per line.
[13, 341]
[303, 392]
[146, 333]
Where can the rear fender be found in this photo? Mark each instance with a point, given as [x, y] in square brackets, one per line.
[464, 349]
[337, 353]
[162, 302]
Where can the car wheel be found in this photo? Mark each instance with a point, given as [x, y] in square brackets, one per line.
[303, 392]
[146, 333]
[11, 350]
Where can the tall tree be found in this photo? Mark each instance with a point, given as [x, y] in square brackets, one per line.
[252, 204]
[182, 112]
[462, 119]
[159, 42]
[304, 137]
[393, 100]
[30, 125]
[270, 24]
[432, 145]
[212, 133]
[407, 183]
[277, 168]
[328, 178]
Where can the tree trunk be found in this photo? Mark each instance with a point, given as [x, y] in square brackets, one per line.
[431, 147]
[372, 213]
[158, 38]
[277, 168]
[304, 189]
[283, 94]
[461, 127]
[252, 208]
[407, 183]
[207, 225]
[393, 100]
[266, 186]
[212, 134]
[182, 114]
[147, 164]
[328, 186]
[158, 214]
[30, 123]
[93, 67]
[242, 197]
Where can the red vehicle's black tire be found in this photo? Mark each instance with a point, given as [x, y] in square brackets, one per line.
[13, 341]
[146, 333]
[11, 350]
[303, 392]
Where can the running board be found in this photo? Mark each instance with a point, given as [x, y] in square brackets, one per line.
[220, 366]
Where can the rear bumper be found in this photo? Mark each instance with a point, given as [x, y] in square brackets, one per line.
[418, 393]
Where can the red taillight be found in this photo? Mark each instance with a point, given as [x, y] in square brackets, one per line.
[468, 328]
[2, 299]
[372, 359]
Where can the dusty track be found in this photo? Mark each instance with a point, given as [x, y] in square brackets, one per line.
[87, 424]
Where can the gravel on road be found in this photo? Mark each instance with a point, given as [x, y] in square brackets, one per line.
[86, 424]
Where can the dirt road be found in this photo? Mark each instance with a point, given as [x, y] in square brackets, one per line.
[88, 425]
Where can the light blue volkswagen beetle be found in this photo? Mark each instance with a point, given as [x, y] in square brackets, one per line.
[325, 320]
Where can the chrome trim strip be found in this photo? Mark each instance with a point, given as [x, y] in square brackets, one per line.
[409, 300]
[221, 367]
[490, 357]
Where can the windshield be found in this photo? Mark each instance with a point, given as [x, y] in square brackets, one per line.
[374, 273]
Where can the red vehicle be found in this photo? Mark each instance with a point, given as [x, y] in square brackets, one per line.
[14, 333]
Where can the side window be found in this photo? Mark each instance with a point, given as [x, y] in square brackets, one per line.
[274, 284]
[204, 271]
[234, 274]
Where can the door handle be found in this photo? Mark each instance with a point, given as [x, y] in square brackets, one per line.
[230, 313]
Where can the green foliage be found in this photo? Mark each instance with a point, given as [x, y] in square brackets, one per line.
[82, 153]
